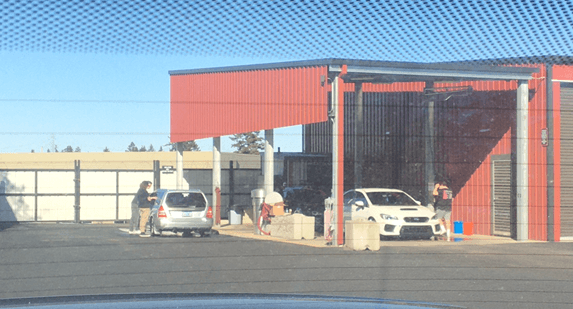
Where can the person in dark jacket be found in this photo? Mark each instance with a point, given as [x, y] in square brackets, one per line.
[134, 222]
[144, 202]
[443, 203]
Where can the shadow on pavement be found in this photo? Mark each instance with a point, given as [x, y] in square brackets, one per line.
[7, 225]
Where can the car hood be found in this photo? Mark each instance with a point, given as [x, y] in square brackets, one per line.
[184, 300]
[404, 211]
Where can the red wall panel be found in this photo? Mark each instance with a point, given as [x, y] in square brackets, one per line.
[563, 72]
[217, 104]
[473, 202]
[557, 158]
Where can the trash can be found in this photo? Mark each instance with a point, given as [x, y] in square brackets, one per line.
[257, 197]
[458, 227]
[468, 228]
[235, 215]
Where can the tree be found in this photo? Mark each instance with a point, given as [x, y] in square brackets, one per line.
[187, 146]
[248, 143]
[151, 149]
[160, 148]
[132, 148]
[68, 149]
[78, 149]
[106, 149]
[142, 149]
[33, 151]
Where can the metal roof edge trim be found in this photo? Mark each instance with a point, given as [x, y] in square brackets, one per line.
[478, 73]
[457, 66]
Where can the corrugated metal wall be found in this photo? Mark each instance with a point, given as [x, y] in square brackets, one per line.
[473, 202]
[566, 98]
[246, 101]
[469, 130]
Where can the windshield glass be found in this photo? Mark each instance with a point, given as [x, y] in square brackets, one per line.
[390, 199]
[273, 110]
[185, 200]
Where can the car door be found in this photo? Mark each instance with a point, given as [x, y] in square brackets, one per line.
[351, 210]
[360, 211]
[348, 200]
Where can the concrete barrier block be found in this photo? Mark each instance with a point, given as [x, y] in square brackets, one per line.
[307, 226]
[362, 235]
[295, 226]
[286, 227]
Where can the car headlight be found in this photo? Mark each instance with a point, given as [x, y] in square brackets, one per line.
[435, 217]
[388, 217]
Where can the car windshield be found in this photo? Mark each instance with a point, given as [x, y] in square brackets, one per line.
[185, 200]
[390, 199]
[464, 105]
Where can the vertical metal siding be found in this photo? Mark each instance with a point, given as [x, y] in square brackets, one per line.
[218, 104]
[467, 208]
[566, 214]
[463, 151]
[563, 72]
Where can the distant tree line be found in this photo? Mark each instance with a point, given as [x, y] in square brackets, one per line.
[67, 149]
[247, 143]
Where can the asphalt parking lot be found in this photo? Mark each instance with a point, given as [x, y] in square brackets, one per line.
[77, 259]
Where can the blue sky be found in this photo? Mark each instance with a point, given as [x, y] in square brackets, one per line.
[93, 101]
[94, 74]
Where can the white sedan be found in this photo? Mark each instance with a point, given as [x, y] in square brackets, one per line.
[398, 214]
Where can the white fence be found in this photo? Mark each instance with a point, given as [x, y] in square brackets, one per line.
[50, 195]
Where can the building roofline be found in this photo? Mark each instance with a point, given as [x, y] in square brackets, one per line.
[336, 62]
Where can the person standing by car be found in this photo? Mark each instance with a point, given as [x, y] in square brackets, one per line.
[144, 204]
[134, 222]
[443, 203]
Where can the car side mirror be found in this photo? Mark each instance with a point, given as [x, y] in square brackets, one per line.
[419, 203]
[359, 203]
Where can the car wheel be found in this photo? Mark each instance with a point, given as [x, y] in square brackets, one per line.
[154, 230]
[206, 233]
[371, 219]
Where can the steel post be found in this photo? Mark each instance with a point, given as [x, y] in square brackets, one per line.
[522, 179]
[216, 177]
[269, 161]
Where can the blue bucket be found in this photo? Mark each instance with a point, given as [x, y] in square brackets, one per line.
[458, 227]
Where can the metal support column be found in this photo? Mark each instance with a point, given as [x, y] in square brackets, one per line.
[550, 156]
[430, 150]
[77, 180]
[522, 179]
[179, 165]
[216, 177]
[338, 156]
[358, 134]
[156, 175]
[269, 173]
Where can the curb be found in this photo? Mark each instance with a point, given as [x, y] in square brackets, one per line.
[268, 238]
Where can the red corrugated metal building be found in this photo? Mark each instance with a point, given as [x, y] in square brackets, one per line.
[475, 135]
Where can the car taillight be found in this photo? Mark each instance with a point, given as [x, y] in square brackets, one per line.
[210, 212]
[161, 213]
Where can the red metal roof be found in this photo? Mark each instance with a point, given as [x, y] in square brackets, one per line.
[223, 103]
